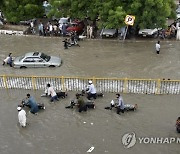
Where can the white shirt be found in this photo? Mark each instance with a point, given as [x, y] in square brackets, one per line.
[92, 89]
[6, 60]
[158, 47]
[32, 24]
[50, 28]
[51, 92]
[22, 118]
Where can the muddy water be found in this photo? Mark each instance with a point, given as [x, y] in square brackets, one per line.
[99, 58]
[63, 131]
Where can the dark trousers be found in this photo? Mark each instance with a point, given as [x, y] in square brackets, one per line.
[90, 105]
[83, 108]
[119, 110]
[157, 52]
[91, 96]
[54, 98]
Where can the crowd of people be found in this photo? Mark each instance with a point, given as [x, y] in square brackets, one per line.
[83, 101]
[173, 31]
[52, 28]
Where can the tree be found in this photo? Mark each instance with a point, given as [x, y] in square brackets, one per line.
[149, 13]
[16, 10]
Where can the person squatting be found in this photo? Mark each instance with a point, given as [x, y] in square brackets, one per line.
[51, 92]
[81, 104]
[31, 103]
[121, 106]
[8, 60]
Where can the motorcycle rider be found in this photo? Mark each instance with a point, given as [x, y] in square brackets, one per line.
[91, 91]
[30, 101]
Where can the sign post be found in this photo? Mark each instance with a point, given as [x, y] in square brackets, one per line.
[129, 20]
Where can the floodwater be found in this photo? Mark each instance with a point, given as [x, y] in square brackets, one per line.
[64, 131]
[99, 58]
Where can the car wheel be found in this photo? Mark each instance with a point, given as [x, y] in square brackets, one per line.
[51, 66]
[23, 67]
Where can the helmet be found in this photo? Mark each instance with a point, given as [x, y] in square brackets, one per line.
[90, 82]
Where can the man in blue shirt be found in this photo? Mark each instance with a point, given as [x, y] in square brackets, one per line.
[120, 104]
[30, 101]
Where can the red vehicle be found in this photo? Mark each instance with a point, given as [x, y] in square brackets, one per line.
[76, 26]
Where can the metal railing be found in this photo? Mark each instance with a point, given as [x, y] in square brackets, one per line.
[122, 85]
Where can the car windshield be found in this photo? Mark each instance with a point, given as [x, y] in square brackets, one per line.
[45, 57]
[63, 20]
[21, 58]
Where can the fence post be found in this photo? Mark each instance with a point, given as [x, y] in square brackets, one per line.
[62, 82]
[125, 85]
[33, 83]
[94, 80]
[5, 81]
[158, 87]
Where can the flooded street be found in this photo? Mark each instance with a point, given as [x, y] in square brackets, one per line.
[64, 131]
[99, 58]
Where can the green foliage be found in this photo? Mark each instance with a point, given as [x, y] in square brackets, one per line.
[16, 10]
[110, 13]
[149, 13]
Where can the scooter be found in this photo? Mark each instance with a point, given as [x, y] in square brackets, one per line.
[98, 94]
[41, 106]
[127, 107]
[88, 104]
[59, 94]
[178, 125]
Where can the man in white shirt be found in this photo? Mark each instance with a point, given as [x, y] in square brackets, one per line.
[158, 47]
[52, 93]
[91, 91]
[21, 116]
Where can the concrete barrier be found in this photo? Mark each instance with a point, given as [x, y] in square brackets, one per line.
[11, 32]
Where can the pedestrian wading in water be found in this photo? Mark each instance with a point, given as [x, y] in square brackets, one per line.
[158, 47]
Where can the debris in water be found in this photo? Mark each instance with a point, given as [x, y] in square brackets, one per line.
[91, 149]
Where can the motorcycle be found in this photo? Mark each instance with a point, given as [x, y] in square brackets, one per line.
[98, 94]
[41, 106]
[178, 125]
[88, 104]
[60, 94]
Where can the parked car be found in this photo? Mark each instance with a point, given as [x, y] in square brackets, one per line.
[66, 21]
[76, 26]
[178, 12]
[149, 32]
[36, 59]
[108, 33]
[27, 22]
[122, 32]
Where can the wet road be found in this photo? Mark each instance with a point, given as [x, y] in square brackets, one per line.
[60, 131]
[64, 131]
[99, 58]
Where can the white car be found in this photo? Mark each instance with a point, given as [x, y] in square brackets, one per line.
[36, 59]
[149, 32]
[178, 13]
[66, 21]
